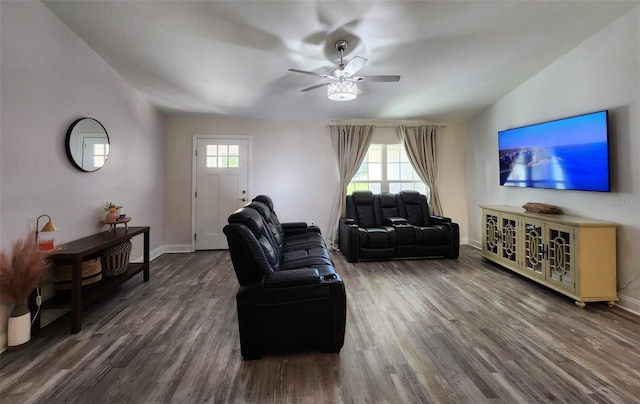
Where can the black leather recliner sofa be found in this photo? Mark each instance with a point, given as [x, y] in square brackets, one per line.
[387, 225]
[290, 297]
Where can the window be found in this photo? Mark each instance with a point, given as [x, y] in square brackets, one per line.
[386, 168]
[100, 153]
[222, 156]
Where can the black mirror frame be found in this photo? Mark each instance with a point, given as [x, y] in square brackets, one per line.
[67, 143]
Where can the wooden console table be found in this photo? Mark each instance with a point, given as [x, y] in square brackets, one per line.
[76, 252]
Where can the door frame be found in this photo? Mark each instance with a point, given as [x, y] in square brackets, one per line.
[194, 168]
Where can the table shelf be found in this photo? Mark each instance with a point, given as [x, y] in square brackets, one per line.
[95, 292]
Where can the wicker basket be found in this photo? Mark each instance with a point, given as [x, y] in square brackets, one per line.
[115, 260]
[537, 207]
[91, 275]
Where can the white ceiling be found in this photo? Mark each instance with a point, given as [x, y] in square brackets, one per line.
[230, 58]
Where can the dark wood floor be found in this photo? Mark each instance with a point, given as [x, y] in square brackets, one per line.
[418, 331]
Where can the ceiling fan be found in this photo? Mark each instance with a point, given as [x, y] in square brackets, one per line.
[342, 80]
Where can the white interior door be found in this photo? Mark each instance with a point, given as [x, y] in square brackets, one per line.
[220, 187]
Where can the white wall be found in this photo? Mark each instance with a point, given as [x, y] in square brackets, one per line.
[294, 163]
[288, 163]
[49, 78]
[601, 73]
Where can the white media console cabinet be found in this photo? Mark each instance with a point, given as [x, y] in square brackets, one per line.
[573, 255]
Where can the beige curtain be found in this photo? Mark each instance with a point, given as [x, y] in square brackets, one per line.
[420, 144]
[350, 143]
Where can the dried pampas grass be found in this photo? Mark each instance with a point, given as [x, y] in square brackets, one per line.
[20, 273]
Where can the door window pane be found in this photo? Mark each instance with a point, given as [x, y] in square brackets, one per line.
[223, 156]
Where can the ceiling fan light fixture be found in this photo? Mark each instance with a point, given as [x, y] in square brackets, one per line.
[342, 90]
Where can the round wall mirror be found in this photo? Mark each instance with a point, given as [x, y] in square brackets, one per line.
[87, 144]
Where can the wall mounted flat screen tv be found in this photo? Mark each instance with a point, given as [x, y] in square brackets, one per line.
[570, 153]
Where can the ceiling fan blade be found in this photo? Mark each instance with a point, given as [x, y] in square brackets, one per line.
[314, 87]
[379, 78]
[309, 73]
[353, 66]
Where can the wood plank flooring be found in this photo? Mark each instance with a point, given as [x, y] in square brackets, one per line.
[418, 331]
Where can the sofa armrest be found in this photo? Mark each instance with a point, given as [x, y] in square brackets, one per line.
[294, 225]
[291, 286]
[298, 227]
[439, 220]
[348, 239]
[292, 277]
[395, 221]
[455, 241]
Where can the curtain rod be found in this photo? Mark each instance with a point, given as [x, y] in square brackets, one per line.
[386, 123]
[439, 126]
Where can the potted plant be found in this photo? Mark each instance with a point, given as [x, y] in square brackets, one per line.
[19, 275]
[112, 212]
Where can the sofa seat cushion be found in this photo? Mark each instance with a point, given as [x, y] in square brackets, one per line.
[292, 255]
[432, 235]
[301, 257]
[303, 240]
[377, 237]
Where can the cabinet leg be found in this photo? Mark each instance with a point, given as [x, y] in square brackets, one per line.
[611, 303]
[580, 304]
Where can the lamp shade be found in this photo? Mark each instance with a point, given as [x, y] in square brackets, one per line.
[49, 226]
[342, 90]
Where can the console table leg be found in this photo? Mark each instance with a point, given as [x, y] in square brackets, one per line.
[76, 295]
[146, 256]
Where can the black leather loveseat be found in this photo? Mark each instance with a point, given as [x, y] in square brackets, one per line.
[290, 296]
[387, 225]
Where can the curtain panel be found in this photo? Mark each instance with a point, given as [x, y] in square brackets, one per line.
[351, 143]
[420, 144]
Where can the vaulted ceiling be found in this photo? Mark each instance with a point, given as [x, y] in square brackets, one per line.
[230, 58]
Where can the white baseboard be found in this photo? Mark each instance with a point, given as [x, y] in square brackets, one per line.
[153, 254]
[629, 304]
[177, 248]
[475, 244]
